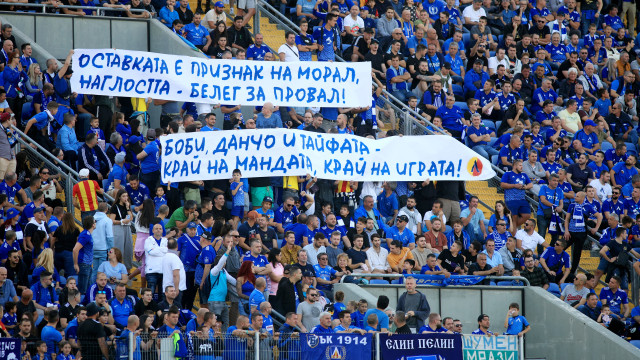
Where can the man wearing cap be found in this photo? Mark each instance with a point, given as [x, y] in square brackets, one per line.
[361, 45]
[44, 293]
[92, 337]
[118, 175]
[93, 158]
[265, 209]
[474, 79]
[213, 16]
[150, 161]
[586, 135]
[85, 194]
[400, 232]
[37, 222]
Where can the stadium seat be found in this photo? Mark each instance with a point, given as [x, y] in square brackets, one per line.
[564, 286]
[378, 282]
[489, 124]
[554, 289]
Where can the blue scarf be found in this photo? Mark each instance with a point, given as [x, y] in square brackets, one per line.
[577, 215]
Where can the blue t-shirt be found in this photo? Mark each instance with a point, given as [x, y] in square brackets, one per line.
[256, 298]
[324, 273]
[383, 319]
[610, 155]
[613, 207]
[553, 196]
[121, 311]
[555, 260]
[510, 154]
[117, 173]
[257, 53]
[622, 175]
[139, 195]
[10, 191]
[405, 237]
[189, 248]
[511, 177]
[196, 34]
[632, 207]
[151, 162]
[516, 325]
[52, 337]
[284, 217]
[614, 300]
[206, 257]
[387, 204]
[480, 131]
[85, 255]
[238, 198]
[588, 141]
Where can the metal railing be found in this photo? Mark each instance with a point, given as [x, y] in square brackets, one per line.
[44, 7]
[395, 276]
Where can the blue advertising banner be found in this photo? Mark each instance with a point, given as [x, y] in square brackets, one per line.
[335, 346]
[436, 346]
[441, 280]
[9, 349]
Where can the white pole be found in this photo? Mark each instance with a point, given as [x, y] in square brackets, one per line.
[521, 343]
[256, 346]
[132, 343]
[377, 346]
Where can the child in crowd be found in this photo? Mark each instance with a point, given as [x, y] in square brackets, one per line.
[606, 316]
[41, 349]
[160, 198]
[95, 128]
[122, 127]
[10, 319]
[603, 105]
[514, 323]
[237, 191]
[357, 317]
[65, 351]
[338, 304]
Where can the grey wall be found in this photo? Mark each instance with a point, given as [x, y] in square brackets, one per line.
[558, 332]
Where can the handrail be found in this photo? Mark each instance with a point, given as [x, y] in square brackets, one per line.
[491, 277]
[98, 9]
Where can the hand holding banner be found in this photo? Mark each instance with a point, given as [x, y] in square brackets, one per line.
[181, 78]
[282, 152]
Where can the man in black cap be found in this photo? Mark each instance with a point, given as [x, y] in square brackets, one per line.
[361, 46]
[92, 337]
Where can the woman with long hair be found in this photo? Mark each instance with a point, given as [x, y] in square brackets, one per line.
[63, 241]
[143, 222]
[114, 268]
[275, 276]
[34, 83]
[12, 76]
[121, 216]
[39, 243]
[245, 285]
[44, 262]
[218, 31]
[501, 212]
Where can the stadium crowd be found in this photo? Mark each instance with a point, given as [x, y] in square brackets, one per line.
[545, 91]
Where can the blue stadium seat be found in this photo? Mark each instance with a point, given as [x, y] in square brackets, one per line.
[631, 149]
[462, 105]
[498, 123]
[564, 286]
[466, 39]
[606, 146]
[554, 289]
[489, 124]
[378, 282]
[494, 160]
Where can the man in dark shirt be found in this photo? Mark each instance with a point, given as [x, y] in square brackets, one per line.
[481, 268]
[579, 174]
[17, 272]
[92, 337]
[535, 274]
[146, 302]
[401, 323]
[591, 308]
[376, 58]
[219, 210]
[238, 36]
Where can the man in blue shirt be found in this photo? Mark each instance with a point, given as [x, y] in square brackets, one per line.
[622, 173]
[474, 79]
[616, 298]
[285, 214]
[544, 92]
[586, 135]
[258, 50]
[324, 37]
[397, 79]
[511, 152]
[553, 260]
[133, 322]
[613, 205]
[197, 34]
[44, 293]
[515, 183]
[210, 123]
[257, 295]
[150, 161]
[325, 324]
[50, 334]
[137, 191]
[326, 276]
[67, 140]
[383, 318]
[401, 233]
[452, 117]
[121, 307]
[83, 254]
[551, 198]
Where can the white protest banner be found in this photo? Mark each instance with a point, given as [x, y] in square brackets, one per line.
[480, 347]
[238, 82]
[280, 152]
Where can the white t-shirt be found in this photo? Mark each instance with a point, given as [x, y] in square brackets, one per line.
[172, 262]
[356, 25]
[429, 214]
[473, 15]
[312, 253]
[291, 53]
[494, 62]
[213, 17]
[529, 241]
[603, 191]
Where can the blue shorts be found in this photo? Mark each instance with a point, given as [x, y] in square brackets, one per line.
[519, 207]
[603, 265]
[237, 211]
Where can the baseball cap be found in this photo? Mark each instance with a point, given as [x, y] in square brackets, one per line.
[151, 134]
[562, 11]
[589, 123]
[84, 173]
[267, 199]
[365, 8]
[38, 209]
[120, 157]
[134, 139]
[374, 41]
[403, 218]
[479, 61]
[308, 273]
[206, 235]
[11, 213]
[192, 225]
[219, 4]
[92, 309]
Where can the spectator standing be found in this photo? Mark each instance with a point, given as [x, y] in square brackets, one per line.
[83, 254]
[155, 248]
[414, 304]
[120, 215]
[173, 273]
[85, 194]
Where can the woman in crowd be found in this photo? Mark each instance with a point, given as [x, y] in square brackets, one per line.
[245, 285]
[501, 213]
[114, 268]
[276, 275]
[63, 241]
[143, 223]
[44, 262]
[11, 77]
[121, 216]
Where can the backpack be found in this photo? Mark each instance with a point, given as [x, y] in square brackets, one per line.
[179, 347]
